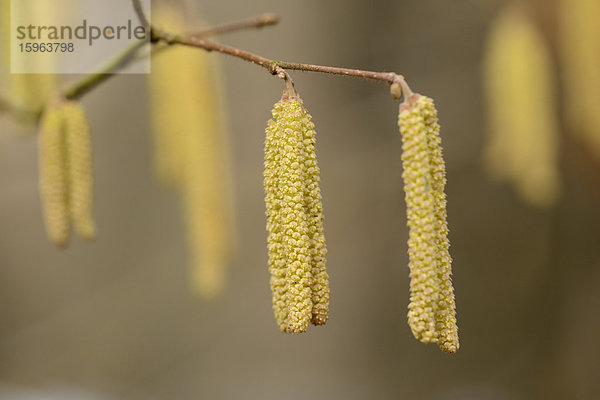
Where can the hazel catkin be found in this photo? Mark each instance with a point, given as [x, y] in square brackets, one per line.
[79, 163]
[523, 139]
[431, 314]
[30, 91]
[446, 313]
[296, 243]
[66, 182]
[191, 151]
[5, 75]
[579, 40]
[54, 176]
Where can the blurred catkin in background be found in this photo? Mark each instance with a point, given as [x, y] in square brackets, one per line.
[54, 175]
[80, 169]
[4, 48]
[32, 91]
[520, 89]
[579, 32]
[191, 149]
[66, 176]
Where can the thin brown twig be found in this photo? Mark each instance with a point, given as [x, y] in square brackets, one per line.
[139, 10]
[271, 65]
[89, 82]
[260, 21]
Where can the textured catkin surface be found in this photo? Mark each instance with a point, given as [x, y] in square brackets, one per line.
[446, 312]
[314, 210]
[54, 176]
[191, 151]
[79, 164]
[431, 314]
[424, 281]
[523, 139]
[273, 200]
[296, 242]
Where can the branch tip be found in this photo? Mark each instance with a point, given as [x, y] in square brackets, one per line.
[268, 19]
[261, 21]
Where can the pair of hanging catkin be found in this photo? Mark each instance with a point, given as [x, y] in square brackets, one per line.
[296, 243]
[432, 311]
[66, 182]
[191, 151]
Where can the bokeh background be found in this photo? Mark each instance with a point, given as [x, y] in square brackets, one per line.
[115, 319]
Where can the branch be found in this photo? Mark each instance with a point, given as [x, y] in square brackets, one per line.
[261, 21]
[139, 10]
[268, 64]
[89, 82]
[80, 88]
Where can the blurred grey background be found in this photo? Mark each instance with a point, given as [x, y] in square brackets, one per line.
[115, 317]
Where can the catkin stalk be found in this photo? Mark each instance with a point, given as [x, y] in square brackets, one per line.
[431, 314]
[296, 243]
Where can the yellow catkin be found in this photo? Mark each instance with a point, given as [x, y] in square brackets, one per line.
[579, 34]
[54, 176]
[296, 243]
[431, 314]
[314, 211]
[4, 48]
[168, 123]
[32, 91]
[522, 143]
[273, 200]
[191, 151]
[79, 162]
[446, 312]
